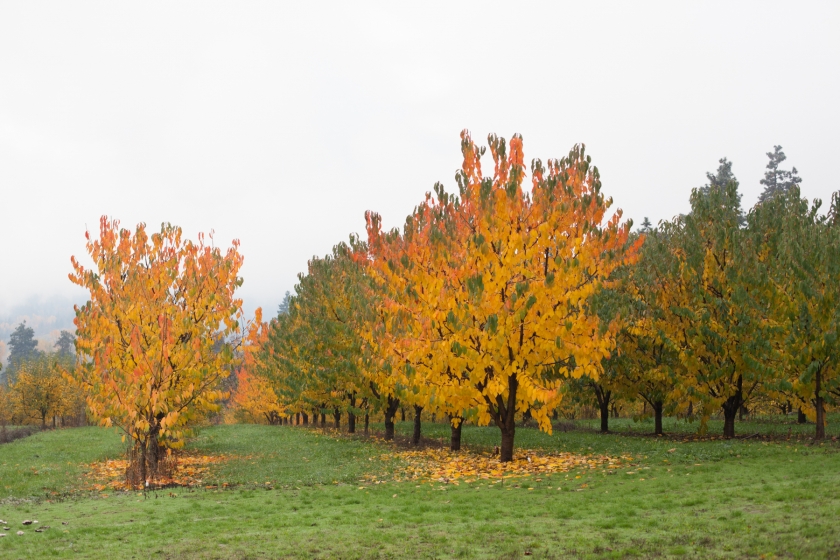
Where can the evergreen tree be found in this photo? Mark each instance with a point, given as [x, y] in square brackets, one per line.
[777, 180]
[66, 344]
[647, 226]
[283, 308]
[722, 177]
[22, 347]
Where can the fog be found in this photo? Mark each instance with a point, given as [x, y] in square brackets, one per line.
[279, 124]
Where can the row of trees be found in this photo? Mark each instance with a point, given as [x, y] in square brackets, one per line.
[40, 393]
[501, 301]
[23, 347]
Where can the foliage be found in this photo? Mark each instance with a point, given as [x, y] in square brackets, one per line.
[314, 352]
[777, 181]
[803, 249]
[487, 291]
[41, 391]
[155, 338]
[65, 346]
[22, 347]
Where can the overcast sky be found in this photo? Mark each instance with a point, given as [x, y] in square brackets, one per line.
[280, 123]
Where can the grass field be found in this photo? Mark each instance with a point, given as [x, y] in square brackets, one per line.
[708, 499]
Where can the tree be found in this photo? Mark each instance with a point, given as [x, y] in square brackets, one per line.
[22, 347]
[155, 338]
[777, 181]
[722, 177]
[803, 250]
[714, 298]
[66, 344]
[255, 400]
[40, 391]
[490, 289]
[315, 352]
[283, 308]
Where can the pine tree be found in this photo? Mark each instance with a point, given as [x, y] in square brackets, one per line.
[22, 347]
[777, 180]
[66, 344]
[722, 177]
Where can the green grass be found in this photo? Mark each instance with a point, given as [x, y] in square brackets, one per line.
[711, 499]
[51, 462]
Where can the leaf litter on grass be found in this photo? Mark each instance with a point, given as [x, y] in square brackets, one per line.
[444, 466]
[188, 470]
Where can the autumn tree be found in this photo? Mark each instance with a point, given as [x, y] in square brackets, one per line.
[493, 284]
[802, 249]
[156, 336]
[40, 391]
[315, 353]
[715, 299]
[255, 401]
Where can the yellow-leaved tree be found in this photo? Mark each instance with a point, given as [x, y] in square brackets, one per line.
[487, 291]
[157, 335]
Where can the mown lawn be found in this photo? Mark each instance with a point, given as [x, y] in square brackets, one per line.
[709, 499]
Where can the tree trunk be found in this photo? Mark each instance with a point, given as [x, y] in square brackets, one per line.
[144, 476]
[390, 412]
[415, 437]
[504, 415]
[305, 418]
[297, 418]
[800, 417]
[351, 416]
[506, 452]
[657, 416]
[367, 421]
[690, 412]
[337, 417]
[820, 408]
[730, 410]
[603, 397]
[742, 411]
[402, 413]
[323, 420]
[455, 439]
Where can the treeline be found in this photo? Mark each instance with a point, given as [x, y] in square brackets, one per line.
[499, 302]
[34, 388]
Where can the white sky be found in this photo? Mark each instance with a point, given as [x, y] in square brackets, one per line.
[281, 123]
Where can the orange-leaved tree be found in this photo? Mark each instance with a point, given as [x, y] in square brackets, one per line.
[254, 398]
[490, 289]
[157, 335]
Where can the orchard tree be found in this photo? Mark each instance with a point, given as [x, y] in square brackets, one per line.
[40, 391]
[802, 248]
[496, 287]
[314, 352]
[715, 295]
[157, 335]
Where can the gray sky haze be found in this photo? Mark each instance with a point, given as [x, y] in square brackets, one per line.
[280, 123]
